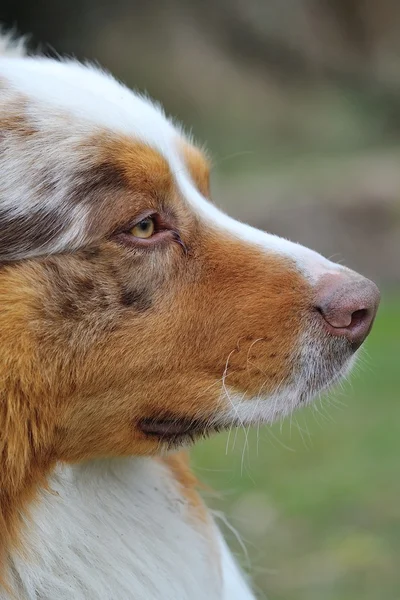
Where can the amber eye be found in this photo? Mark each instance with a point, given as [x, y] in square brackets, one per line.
[144, 229]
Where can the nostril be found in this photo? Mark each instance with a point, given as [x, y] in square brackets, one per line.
[358, 317]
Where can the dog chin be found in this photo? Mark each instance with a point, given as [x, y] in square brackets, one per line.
[310, 384]
[326, 377]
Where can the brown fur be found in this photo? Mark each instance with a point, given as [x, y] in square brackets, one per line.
[128, 178]
[13, 119]
[179, 465]
[96, 340]
[198, 166]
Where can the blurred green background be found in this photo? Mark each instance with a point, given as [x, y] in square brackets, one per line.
[299, 105]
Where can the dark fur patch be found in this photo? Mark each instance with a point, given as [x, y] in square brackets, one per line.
[90, 254]
[78, 296]
[84, 287]
[28, 234]
[69, 308]
[98, 183]
[139, 299]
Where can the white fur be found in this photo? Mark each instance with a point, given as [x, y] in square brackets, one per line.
[10, 45]
[91, 95]
[121, 530]
[234, 585]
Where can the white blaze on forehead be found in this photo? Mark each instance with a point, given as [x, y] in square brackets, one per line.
[88, 94]
[312, 264]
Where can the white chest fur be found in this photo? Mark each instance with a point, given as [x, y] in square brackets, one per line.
[120, 530]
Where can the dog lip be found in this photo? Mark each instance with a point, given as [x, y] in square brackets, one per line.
[171, 427]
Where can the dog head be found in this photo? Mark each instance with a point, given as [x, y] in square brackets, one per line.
[134, 314]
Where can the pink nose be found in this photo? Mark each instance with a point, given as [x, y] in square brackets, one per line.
[348, 303]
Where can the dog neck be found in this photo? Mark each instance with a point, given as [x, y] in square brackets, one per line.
[121, 528]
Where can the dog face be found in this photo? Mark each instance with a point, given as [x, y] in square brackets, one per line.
[135, 315]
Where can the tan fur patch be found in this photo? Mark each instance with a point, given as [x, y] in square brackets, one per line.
[16, 124]
[198, 165]
[179, 464]
[130, 177]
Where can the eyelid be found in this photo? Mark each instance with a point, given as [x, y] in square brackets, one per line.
[164, 232]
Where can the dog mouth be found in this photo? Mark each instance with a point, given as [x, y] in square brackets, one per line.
[177, 429]
[319, 367]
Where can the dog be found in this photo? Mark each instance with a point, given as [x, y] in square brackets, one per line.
[135, 318]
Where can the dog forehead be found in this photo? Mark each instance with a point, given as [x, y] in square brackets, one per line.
[90, 94]
[84, 104]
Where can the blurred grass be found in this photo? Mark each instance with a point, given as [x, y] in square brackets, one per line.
[317, 500]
